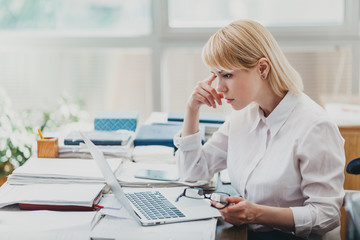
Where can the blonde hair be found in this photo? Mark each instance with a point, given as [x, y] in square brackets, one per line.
[241, 44]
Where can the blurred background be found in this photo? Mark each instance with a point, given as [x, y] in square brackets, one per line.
[65, 60]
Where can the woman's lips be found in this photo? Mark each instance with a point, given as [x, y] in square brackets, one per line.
[229, 100]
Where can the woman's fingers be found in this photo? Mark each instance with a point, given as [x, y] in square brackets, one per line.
[200, 98]
[204, 93]
[210, 79]
[206, 90]
[217, 204]
[213, 93]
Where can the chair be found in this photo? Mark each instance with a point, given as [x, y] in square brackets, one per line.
[351, 134]
[352, 205]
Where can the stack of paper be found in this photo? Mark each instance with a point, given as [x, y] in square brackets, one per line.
[153, 154]
[51, 196]
[85, 171]
[55, 170]
[81, 151]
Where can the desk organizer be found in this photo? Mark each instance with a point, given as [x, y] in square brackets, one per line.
[112, 121]
[48, 147]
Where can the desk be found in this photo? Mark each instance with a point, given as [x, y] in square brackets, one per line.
[76, 225]
[227, 231]
[81, 230]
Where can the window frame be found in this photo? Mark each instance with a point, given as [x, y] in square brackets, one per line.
[162, 37]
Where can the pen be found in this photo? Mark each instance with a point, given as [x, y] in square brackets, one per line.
[41, 136]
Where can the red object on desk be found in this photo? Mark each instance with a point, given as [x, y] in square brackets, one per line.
[27, 206]
[31, 206]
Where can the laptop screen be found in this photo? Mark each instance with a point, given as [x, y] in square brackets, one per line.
[109, 176]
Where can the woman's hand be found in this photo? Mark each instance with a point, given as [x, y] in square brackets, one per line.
[204, 93]
[240, 211]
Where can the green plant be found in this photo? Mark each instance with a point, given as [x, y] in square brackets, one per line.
[18, 137]
[15, 140]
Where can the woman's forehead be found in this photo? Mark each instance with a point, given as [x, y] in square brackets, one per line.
[219, 71]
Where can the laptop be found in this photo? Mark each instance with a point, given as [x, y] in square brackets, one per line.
[152, 207]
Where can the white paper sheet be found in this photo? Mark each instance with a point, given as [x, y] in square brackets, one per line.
[115, 228]
[39, 225]
[53, 170]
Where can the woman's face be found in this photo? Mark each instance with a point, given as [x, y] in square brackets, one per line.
[240, 87]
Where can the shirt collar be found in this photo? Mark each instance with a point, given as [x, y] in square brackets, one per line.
[281, 113]
[278, 116]
[256, 115]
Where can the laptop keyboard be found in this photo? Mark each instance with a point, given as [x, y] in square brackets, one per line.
[153, 205]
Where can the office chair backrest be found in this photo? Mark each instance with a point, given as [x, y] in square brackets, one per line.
[353, 166]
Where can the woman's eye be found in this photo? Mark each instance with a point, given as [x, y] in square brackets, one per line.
[227, 76]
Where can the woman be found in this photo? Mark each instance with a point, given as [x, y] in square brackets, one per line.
[284, 156]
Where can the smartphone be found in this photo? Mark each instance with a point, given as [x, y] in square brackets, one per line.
[156, 175]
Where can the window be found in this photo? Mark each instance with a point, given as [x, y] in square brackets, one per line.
[145, 55]
[217, 13]
[119, 18]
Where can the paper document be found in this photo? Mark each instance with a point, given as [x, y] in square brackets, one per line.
[36, 225]
[154, 154]
[50, 194]
[130, 230]
[224, 176]
[127, 227]
[54, 170]
[126, 176]
[81, 151]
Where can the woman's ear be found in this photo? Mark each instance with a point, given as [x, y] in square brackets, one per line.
[264, 68]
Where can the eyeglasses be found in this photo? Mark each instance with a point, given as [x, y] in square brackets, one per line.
[198, 193]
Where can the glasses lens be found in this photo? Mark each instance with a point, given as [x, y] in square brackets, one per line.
[194, 193]
[219, 197]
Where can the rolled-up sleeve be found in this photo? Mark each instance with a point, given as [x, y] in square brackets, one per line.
[197, 162]
[321, 160]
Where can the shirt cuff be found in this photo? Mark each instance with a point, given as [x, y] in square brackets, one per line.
[188, 143]
[302, 220]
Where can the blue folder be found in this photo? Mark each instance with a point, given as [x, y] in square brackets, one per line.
[159, 134]
[99, 138]
[203, 118]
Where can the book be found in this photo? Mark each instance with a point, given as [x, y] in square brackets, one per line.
[58, 197]
[158, 134]
[100, 138]
[203, 118]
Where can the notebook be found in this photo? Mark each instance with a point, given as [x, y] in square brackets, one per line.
[153, 207]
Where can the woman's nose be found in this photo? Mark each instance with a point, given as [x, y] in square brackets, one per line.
[220, 86]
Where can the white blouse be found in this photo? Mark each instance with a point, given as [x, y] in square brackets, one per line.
[293, 158]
